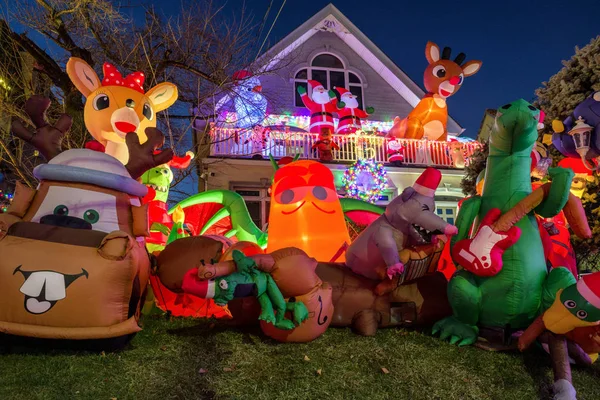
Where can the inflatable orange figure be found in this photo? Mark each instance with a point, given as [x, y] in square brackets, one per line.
[443, 77]
[306, 212]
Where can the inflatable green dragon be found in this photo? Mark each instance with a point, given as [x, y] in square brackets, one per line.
[514, 297]
[243, 227]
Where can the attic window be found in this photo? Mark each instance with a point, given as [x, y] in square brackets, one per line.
[327, 61]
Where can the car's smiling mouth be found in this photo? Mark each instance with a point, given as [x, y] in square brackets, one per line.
[43, 289]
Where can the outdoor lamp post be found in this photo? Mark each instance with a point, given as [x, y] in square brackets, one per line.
[581, 134]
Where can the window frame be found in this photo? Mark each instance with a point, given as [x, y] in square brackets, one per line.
[309, 76]
[264, 198]
[445, 206]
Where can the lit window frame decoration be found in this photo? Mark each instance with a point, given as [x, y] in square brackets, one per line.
[303, 122]
[378, 173]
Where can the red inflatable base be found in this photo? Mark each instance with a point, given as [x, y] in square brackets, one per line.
[185, 305]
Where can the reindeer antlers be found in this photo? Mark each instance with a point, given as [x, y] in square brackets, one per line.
[447, 52]
[47, 139]
[142, 157]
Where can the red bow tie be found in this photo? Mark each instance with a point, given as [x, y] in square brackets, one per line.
[112, 77]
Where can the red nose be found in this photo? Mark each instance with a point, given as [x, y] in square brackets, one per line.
[454, 80]
[125, 126]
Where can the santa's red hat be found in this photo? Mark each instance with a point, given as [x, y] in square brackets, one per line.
[182, 162]
[243, 74]
[315, 84]
[541, 120]
[342, 91]
[589, 287]
[200, 288]
[428, 182]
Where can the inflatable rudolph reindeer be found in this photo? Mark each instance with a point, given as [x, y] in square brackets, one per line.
[443, 78]
[117, 106]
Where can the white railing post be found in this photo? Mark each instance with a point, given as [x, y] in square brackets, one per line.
[286, 143]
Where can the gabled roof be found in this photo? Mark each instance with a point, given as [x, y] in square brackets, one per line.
[331, 19]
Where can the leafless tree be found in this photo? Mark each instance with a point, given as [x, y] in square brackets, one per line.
[198, 49]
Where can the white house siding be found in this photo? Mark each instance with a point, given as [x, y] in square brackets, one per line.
[279, 86]
[223, 172]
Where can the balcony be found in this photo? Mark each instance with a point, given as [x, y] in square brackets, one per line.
[259, 143]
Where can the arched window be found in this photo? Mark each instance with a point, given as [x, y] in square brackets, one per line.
[327, 61]
[331, 72]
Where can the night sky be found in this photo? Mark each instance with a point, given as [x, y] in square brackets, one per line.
[521, 43]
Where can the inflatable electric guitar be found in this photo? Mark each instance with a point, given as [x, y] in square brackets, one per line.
[482, 254]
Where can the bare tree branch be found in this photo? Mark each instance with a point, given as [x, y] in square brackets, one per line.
[198, 49]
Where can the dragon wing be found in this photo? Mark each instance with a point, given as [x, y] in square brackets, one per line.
[235, 208]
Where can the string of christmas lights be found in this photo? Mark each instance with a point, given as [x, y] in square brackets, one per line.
[365, 180]
[5, 201]
[303, 122]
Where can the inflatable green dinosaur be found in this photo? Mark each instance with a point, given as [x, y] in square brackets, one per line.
[513, 298]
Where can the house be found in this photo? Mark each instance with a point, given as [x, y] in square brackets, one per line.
[487, 123]
[330, 49]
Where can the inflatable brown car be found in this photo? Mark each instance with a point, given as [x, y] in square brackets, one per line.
[71, 263]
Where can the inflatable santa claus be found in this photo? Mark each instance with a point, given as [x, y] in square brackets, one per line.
[349, 113]
[322, 104]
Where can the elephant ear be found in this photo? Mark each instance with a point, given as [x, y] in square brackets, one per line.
[407, 193]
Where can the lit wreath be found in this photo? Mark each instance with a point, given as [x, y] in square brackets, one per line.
[365, 180]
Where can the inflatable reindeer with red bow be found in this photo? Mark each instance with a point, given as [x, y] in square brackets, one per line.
[117, 106]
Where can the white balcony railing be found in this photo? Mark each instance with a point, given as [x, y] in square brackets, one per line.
[240, 143]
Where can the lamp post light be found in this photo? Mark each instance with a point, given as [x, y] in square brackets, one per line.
[581, 134]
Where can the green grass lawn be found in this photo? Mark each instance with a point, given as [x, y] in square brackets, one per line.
[191, 359]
